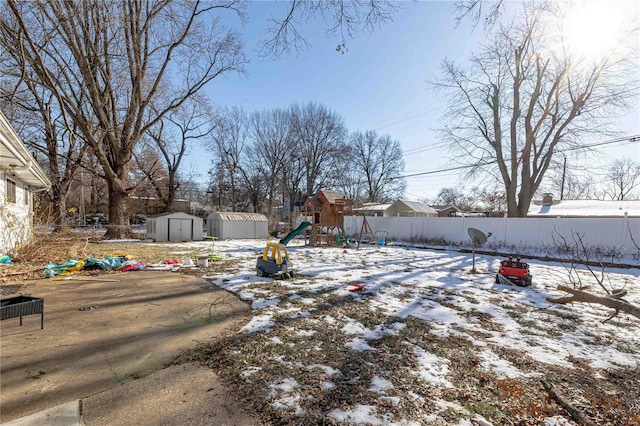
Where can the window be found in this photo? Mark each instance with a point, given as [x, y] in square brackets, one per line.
[11, 191]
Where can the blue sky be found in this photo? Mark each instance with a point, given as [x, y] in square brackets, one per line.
[380, 83]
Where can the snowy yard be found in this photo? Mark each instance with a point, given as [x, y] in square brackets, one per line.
[424, 342]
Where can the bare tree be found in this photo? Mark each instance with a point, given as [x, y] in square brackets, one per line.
[562, 180]
[487, 12]
[350, 184]
[172, 137]
[378, 160]
[230, 139]
[492, 200]
[624, 178]
[452, 196]
[151, 177]
[293, 176]
[319, 136]
[117, 68]
[271, 142]
[522, 100]
[343, 17]
[47, 130]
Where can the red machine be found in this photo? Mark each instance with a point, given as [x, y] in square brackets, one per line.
[515, 271]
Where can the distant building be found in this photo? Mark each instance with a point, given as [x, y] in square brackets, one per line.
[407, 208]
[372, 209]
[447, 211]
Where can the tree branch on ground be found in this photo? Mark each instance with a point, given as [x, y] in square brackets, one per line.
[579, 256]
[577, 415]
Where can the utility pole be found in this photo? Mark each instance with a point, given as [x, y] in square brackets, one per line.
[564, 172]
[83, 216]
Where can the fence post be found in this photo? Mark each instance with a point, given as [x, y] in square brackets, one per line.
[506, 222]
[625, 226]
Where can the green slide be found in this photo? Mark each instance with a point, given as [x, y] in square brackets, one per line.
[291, 235]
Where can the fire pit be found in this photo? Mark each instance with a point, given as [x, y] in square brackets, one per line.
[22, 305]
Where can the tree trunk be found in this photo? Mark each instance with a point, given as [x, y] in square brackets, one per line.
[119, 226]
[512, 202]
[60, 204]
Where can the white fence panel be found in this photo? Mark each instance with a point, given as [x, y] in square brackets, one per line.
[507, 232]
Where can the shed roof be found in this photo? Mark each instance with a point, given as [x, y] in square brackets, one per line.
[373, 208]
[181, 214]
[586, 208]
[417, 206]
[240, 216]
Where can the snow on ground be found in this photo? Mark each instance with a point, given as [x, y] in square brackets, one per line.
[434, 286]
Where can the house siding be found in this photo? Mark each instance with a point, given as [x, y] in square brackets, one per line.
[15, 215]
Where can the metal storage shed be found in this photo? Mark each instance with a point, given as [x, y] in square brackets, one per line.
[233, 225]
[410, 209]
[174, 227]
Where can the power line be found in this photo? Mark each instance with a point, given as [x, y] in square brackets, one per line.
[422, 148]
[627, 139]
[408, 118]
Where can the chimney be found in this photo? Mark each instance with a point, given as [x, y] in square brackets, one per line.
[547, 199]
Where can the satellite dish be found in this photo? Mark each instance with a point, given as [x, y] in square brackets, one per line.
[479, 238]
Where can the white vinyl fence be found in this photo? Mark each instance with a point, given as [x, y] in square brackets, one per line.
[603, 233]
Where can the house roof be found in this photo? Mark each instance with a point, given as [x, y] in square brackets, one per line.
[240, 217]
[446, 209]
[16, 161]
[373, 208]
[417, 206]
[585, 208]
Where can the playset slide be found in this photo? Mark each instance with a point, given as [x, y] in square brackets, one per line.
[291, 235]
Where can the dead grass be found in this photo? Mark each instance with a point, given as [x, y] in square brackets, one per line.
[252, 363]
[57, 248]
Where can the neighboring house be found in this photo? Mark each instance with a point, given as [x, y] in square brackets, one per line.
[548, 207]
[372, 209]
[447, 211]
[20, 177]
[410, 209]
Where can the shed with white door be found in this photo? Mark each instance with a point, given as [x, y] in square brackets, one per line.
[174, 226]
[235, 225]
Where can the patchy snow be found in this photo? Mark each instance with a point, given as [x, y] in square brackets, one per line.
[380, 385]
[557, 421]
[249, 371]
[405, 284]
[359, 344]
[491, 361]
[259, 323]
[328, 385]
[433, 369]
